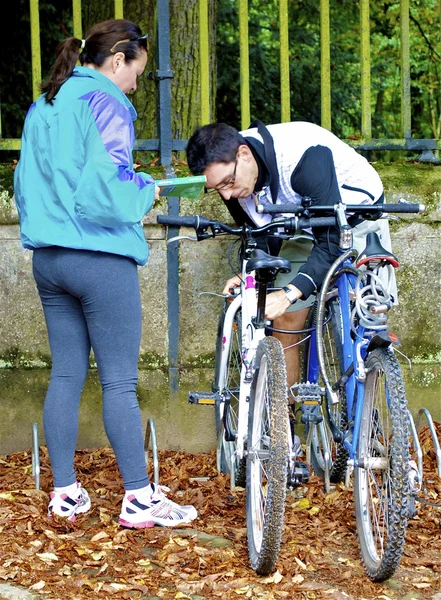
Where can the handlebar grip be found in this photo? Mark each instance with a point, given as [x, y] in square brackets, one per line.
[305, 223]
[178, 221]
[273, 209]
[404, 208]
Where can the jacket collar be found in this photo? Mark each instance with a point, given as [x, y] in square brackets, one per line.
[105, 82]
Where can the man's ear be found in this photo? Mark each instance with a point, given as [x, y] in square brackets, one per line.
[245, 152]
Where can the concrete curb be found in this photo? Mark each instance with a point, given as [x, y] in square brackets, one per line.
[11, 592]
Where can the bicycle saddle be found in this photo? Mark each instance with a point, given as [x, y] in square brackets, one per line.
[375, 251]
[261, 260]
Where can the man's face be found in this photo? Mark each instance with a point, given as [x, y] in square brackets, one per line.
[235, 179]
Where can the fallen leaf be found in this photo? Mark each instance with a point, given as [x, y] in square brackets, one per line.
[47, 556]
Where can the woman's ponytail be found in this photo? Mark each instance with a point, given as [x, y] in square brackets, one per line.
[67, 54]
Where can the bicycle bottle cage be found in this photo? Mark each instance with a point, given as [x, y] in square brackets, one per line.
[374, 251]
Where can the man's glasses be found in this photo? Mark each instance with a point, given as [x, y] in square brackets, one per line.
[136, 39]
[225, 186]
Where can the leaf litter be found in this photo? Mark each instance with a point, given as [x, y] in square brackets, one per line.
[319, 557]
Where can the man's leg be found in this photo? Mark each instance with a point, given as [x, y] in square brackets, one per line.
[291, 321]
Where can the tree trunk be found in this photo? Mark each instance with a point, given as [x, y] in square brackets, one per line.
[184, 61]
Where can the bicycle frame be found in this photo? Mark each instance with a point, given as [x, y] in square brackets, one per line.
[250, 336]
[354, 355]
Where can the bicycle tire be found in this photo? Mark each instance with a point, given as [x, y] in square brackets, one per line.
[382, 493]
[229, 387]
[322, 434]
[267, 456]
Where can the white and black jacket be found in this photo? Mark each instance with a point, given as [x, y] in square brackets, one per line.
[299, 160]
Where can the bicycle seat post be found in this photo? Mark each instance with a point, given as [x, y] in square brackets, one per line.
[263, 280]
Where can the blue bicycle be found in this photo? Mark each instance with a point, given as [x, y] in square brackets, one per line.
[352, 397]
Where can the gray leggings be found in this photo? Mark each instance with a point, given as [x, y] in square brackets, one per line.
[92, 300]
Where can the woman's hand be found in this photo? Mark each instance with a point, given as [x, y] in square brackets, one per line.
[157, 190]
[232, 283]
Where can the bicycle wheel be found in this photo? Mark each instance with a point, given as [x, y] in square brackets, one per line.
[229, 388]
[323, 449]
[267, 457]
[381, 479]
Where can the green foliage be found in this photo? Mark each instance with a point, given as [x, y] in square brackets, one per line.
[264, 48]
[304, 35]
[15, 61]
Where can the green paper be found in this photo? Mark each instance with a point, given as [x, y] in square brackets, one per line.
[184, 187]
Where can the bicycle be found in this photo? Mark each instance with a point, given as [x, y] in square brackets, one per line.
[256, 433]
[352, 397]
[255, 440]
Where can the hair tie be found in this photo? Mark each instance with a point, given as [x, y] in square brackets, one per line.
[83, 44]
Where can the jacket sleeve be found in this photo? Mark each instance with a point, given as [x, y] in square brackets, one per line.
[110, 193]
[315, 177]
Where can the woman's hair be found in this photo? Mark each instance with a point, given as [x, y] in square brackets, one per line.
[102, 40]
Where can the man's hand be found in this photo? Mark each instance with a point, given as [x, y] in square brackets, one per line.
[277, 303]
[232, 283]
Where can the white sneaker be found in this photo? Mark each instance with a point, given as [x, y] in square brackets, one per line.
[157, 509]
[67, 506]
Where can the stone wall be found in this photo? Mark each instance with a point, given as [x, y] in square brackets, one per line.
[203, 268]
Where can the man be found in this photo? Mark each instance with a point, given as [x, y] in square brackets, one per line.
[280, 164]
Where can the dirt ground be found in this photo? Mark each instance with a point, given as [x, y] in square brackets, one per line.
[92, 557]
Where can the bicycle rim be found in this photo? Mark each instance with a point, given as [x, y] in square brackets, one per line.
[267, 457]
[229, 388]
[381, 482]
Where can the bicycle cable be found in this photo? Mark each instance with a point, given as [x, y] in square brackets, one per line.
[372, 300]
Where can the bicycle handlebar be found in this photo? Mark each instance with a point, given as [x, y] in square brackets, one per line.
[360, 209]
[288, 224]
[194, 221]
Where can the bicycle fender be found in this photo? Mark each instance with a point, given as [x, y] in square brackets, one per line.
[383, 339]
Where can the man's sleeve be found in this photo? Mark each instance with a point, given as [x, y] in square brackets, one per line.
[315, 177]
[110, 193]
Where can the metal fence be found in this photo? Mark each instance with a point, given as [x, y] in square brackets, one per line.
[164, 73]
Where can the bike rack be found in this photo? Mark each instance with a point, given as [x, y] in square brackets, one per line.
[35, 456]
[415, 429]
[150, 440]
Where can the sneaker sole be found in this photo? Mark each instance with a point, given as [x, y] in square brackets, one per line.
[142, 525]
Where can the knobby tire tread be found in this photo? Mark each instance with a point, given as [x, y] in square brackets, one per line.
[263, 561]
[384, 360]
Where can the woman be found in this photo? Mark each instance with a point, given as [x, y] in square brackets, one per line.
[80, 205]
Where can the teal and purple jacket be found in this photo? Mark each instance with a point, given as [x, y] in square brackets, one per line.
[74, 184]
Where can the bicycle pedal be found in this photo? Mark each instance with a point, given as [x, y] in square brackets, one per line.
[309, 393]
[204, 398]
[299, 475]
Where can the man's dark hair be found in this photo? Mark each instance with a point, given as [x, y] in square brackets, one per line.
[212, 143]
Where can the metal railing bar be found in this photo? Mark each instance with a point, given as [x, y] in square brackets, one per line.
[285, 104]
[325, 64]
[204, 61]
[35, 48]
[244, 65]
[365, 67]
[405, 70]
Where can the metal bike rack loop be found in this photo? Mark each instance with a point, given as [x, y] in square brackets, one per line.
[35, 456]
[150, 440]
[423, 412]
